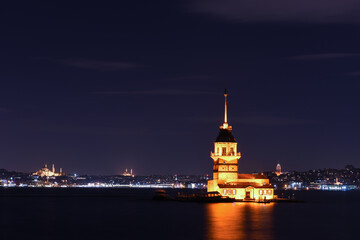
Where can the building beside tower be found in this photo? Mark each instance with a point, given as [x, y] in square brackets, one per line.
[226, 179]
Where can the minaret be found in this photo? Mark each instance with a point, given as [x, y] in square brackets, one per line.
[53, 168]
[225, 154]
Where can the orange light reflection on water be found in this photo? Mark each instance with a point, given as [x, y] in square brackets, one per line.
[239, 221]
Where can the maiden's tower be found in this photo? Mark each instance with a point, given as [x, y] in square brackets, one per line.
[226, 179]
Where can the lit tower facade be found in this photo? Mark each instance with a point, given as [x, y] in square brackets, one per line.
[226, 179]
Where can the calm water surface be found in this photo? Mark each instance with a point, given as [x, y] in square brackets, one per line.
[131, 214]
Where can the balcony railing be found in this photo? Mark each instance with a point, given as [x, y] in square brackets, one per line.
[225, 154]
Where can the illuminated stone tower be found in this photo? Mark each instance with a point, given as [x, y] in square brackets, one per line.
[225, 155]
[226, 179]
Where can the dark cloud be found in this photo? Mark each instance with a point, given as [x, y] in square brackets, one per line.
[100, 130]
[38, 125]
[325, 56]
[191, 78]
[271, 120]
[262, 119]
[354, 74]
[310, 11]
[157, 92]
[98, 65]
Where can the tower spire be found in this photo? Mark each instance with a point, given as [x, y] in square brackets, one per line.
[225, 125]
[225, 116]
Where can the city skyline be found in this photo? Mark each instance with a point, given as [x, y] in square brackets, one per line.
[97, 88]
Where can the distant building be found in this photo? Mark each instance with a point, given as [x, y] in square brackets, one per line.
[46, 172]
[226, 180]
[128, 174]
[278, 169]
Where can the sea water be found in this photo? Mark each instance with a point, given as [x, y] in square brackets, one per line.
[103, 214]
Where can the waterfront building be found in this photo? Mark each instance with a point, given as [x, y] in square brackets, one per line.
[226, 179]
[278, 169]
[46, 172]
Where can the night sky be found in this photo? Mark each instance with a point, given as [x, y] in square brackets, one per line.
[99, 86]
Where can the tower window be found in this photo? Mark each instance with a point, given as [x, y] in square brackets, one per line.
[217, 150]
[232, 151]
[224, 151]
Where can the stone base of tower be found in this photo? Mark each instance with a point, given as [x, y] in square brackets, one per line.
[212, 186]
[254, 188]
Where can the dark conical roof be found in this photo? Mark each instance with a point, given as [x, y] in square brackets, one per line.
[225, 135]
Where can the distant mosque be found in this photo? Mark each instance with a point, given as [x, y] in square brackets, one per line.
[226, 179]
[128, 174]
[46, 172]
